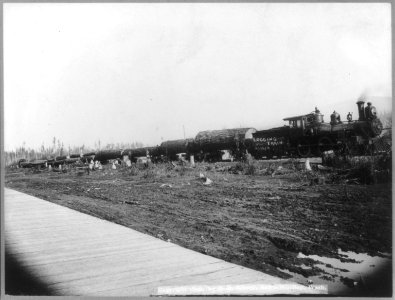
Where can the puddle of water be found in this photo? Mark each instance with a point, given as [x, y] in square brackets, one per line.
[358, 271]
[389, 255]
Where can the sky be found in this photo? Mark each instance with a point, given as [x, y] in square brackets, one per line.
[148, 72]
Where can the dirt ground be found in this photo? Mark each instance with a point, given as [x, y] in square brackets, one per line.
[261, 221]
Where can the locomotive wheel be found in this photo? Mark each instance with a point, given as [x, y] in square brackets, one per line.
[304, 150]
[324, 144]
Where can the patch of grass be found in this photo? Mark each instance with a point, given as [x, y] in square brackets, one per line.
[133, 171]
[250, 168]
[363, 169]
[159, 170]
[247, 167]
[369, 170]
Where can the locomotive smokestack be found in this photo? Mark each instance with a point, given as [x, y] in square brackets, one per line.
[361, 110]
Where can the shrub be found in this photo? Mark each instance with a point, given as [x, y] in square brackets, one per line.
[149, 173]
[134, 170]
[363, 170]
[250, 168]
[247, 167]
[373, 169]
[181, 170]
[238, 168]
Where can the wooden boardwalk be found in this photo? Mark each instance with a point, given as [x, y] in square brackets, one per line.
[77, 254]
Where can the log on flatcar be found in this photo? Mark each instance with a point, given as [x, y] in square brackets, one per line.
[133, 154]
[212, 142]
[170, 149]
[105, 155]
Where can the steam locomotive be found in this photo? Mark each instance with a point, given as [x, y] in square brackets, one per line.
[308, 135]
[304, 136]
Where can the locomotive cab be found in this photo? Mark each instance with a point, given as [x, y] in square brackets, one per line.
[296, 122]
[306, 125]
[305, 121]
[308, 133]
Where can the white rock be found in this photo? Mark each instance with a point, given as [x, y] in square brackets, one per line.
[307, 165]
[208, 181]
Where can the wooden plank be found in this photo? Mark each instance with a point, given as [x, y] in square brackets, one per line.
[124, 279]
[74, 269]
[50, 249]
[32, 244]
[221, 274]
[124, 268]
[77, 254]
[32, 229]
[85, 253]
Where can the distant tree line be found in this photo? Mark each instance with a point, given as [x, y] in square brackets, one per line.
[57, 148]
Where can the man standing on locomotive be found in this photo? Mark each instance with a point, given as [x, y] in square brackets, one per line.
[368, 111]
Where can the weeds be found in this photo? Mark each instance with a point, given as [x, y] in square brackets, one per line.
[361, 169]
[246, 168]
[250, 166]
[369, 170]
[133, 171]
[157, 171]
[182, 170]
